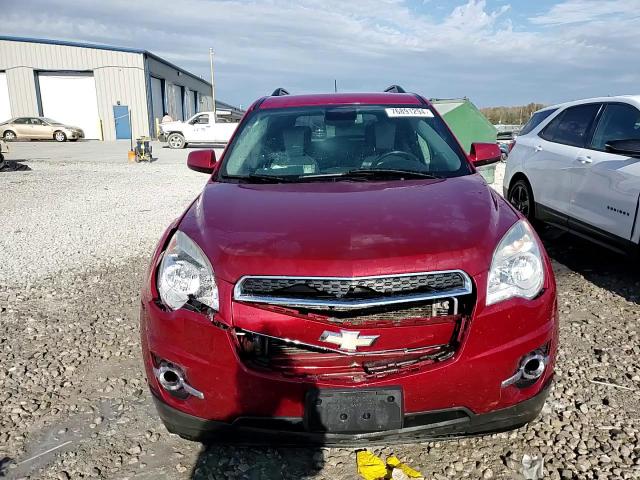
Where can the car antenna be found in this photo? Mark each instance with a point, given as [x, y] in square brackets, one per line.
[335, 86]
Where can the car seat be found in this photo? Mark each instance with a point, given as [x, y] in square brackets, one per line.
[295, 161]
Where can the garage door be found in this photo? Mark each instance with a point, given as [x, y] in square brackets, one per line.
[176, 99]
[157, 100]
[71, 99]
[189, 111]
[5, 108]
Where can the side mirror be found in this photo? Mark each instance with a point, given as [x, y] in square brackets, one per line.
[630, 148]
[202, 161]
[484, 153]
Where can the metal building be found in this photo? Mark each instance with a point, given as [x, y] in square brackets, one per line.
[109, 92]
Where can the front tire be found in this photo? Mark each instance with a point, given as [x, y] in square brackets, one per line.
[59, 136]
[521, 197]
[9, 136]
[176, 140]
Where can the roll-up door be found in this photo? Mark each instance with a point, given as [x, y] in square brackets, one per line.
[178, 91]
[157, 100]
[189, 111]
[70, 98]
[5, 107]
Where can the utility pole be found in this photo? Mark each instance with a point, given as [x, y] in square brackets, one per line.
[213, 84]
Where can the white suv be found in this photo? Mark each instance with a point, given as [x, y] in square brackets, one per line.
[577, 166]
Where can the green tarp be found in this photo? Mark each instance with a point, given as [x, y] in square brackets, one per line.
[466, 121]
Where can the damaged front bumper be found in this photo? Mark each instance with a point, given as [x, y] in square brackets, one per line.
[288, 431]
[446, 393]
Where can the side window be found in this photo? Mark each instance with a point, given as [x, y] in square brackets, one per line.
[619, 121]
[572, 126]
[424, 149]
[21, 121]
[201, 120]
[36, 121]
[535, 120]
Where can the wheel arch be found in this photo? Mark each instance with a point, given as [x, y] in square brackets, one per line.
[533, 210]
[519, 176]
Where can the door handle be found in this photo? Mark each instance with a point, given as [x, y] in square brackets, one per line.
[586, 159]
[538, 148]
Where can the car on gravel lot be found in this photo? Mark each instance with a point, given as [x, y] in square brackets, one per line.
[39, 128]
[577, 166]
[203, 127]
[347, 276]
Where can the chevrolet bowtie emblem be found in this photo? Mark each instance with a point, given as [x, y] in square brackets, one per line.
[348, 340]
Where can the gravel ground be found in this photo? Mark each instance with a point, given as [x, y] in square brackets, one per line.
[76, 236]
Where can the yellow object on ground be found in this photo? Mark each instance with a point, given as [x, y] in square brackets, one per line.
[372, 467]
[394, 463]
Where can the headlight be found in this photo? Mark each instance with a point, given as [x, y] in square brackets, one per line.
[516, 268]
[185, 275]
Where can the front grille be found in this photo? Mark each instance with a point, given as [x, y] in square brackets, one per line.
[292, 359]
[392, 314]
[350, 293]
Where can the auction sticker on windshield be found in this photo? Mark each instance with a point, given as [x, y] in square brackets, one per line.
[408, 112]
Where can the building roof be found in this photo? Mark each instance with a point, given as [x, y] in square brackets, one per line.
[99, 46]
[340, 99]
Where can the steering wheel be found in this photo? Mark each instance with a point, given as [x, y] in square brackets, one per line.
[385, 160]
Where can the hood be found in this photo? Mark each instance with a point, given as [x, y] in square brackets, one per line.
[348, 228]
[173, 124]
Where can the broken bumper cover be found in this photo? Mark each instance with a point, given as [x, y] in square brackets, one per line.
[436, 425]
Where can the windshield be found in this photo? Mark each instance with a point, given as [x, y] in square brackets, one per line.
[535, 120]
[298, 144]
[50, 122]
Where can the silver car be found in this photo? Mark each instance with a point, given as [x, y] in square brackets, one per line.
[38, 128]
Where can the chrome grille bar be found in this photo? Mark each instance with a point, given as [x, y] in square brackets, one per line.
[332, 292]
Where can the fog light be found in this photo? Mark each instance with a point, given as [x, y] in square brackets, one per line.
[531, 368]
[171, 378]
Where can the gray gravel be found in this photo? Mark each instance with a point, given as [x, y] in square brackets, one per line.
[76, 236]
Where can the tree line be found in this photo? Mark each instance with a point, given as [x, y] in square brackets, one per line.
[517, 115]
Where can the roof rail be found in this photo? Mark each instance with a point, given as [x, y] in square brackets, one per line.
[395, 89]
[278, 92]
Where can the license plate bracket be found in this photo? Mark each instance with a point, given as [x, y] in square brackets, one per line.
[353, 411]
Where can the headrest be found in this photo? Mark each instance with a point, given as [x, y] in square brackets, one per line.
[385, 135]
[296, 140]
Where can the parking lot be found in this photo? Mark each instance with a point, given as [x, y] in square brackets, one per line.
[77, 232]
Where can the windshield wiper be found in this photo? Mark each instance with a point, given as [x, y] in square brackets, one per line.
[368, 173]
[359, 174]
[258, 178]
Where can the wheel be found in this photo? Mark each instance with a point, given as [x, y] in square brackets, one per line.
[176, 140]
[59, 136]
[9, 135]
[521, 197]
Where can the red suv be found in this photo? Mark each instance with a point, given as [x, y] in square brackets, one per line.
[347, 276]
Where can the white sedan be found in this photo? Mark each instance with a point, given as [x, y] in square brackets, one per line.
[577, 166]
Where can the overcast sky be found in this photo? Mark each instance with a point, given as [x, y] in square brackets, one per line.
[495, 52]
